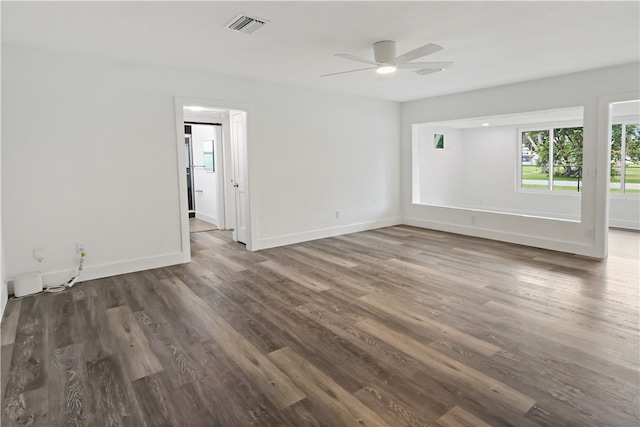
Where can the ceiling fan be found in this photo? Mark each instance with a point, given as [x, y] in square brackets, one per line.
[387, 62]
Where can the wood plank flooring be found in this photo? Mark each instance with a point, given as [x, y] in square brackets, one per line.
[197, 225]
[392, 327]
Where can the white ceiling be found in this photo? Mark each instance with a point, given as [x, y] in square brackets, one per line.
[628, 110]
[491, 43]
[519, 119]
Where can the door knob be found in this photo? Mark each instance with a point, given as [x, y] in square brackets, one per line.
[236, 185]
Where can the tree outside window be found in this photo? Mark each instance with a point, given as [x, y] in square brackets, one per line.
[552, 159]
[625, 158]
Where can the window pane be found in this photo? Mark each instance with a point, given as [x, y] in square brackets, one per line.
[207, 152]
[208, 162]
[535, 159]
[632, 159]
[615, 182]
[616, 162]
[632, 178]
[567, 159]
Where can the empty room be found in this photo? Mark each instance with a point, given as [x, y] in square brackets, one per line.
[300, 213]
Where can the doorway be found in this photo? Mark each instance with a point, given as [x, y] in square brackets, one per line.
[202, 149]
[188, 156]
[607, 192]
[222, 158]
[624, 158]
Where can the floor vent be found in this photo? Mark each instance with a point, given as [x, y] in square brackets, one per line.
[245, 23]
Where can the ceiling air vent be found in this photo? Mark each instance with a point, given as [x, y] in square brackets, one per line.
[245, 23]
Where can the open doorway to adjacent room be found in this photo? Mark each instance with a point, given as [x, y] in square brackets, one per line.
[213, 169]
[624, 158]
[527, 164]
[203, 146]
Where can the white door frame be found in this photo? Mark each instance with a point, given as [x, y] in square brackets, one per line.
[603, 167]
[221, 173]
[228, 192]
[180, 103]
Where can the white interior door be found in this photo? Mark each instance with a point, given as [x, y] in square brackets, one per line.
[239, 154]
[229, 177]
[218, 151]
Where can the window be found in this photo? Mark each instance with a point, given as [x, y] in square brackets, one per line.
[625, 158]
[207, 151]
[535, 159]
[438, 141]
[551, 158]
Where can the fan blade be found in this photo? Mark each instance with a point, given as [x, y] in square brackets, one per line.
[351, 71]
[415, 65]
[425, 50]
[356, 58]
[425, 71]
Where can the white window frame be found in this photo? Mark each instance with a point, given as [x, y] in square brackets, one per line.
[623, 149]
[549, 126]
[520, 154]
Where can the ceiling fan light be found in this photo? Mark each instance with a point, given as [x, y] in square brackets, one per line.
[386, 69]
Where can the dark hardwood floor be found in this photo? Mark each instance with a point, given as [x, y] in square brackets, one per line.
[398, 326]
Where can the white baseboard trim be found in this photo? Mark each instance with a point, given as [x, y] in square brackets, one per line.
[520, 239]
[4, 299]
[207, 218]
[291, 239]
[621, 223]
[91, 272]
[527, 213]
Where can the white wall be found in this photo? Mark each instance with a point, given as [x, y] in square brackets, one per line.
[491, 155]
[439, 174]
[4, 293]
[94, 145]
[579, 89]
[625, 212]
[318, 153]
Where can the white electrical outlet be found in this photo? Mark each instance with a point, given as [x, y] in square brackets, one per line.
[39, 254]
[338, 214]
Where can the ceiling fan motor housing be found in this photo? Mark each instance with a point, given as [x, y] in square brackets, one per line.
[385, 51]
